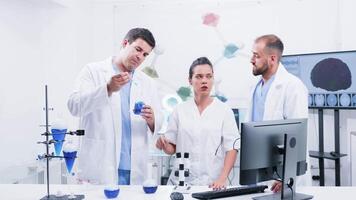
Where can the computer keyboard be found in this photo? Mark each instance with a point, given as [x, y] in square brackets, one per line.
[235, 191]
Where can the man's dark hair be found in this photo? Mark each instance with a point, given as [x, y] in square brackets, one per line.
[199, 61]
[272, 42]
[142, 33]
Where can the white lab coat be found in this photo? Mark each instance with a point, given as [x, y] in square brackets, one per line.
[100, 117]
[287, 98]
[206, 137]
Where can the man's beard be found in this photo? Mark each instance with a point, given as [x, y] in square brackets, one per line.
[260, 71]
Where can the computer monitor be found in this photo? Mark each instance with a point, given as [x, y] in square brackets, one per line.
[273, 150]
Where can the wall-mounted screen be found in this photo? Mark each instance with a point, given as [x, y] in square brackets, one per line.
[329, 77]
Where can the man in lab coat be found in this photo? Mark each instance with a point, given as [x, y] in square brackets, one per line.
[115, 147]
[278, 94]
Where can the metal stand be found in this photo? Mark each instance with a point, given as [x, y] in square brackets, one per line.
[321, 155]
[48, 156]
[65, 197]
[290, 153]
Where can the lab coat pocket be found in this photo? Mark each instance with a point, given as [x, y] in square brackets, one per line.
[91, 158]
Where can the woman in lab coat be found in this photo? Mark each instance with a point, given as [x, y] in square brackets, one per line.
[205, 128]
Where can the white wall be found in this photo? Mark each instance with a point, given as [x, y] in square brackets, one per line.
[38, 47]
[48, 42]
[21, 84]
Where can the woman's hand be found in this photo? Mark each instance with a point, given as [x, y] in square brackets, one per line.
[218, 184]
[163, 144]
[277, 186]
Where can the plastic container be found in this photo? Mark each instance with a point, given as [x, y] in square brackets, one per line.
[111, 192]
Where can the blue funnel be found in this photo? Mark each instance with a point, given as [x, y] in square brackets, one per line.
[58, 135]
[69, 157]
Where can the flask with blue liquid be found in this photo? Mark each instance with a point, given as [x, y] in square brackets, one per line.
[138, 107]
[58, 130]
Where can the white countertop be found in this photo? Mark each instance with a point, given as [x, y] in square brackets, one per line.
[35, 191]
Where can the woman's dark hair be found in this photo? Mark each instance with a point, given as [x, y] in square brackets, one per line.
[199, 61]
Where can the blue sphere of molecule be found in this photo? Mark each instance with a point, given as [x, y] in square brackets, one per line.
[230, 50]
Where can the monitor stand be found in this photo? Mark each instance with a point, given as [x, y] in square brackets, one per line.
[289, 173]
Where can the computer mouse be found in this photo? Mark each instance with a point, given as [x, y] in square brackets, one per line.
[177, 196]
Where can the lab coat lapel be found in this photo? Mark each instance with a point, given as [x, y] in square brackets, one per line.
[273, 95]
[115, 105]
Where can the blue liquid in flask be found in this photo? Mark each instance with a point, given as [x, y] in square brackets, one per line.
[69, 158]
[58, 135]
[138, 107]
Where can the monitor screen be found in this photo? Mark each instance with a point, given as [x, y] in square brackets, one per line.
[260, 158]
[330, 77]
